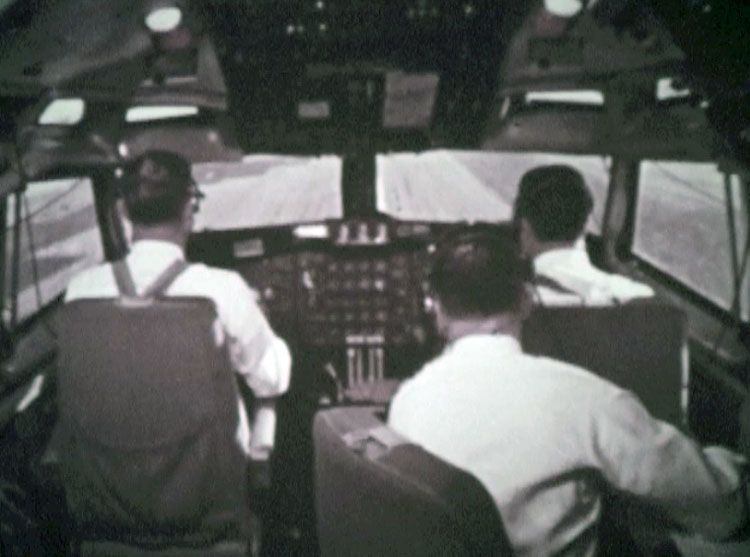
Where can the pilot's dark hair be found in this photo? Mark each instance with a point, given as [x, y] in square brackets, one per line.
[156, 187]
[478, 274]
[555, 201]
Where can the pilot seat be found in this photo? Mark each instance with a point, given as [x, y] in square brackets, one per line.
[146, 436]
[377, 494]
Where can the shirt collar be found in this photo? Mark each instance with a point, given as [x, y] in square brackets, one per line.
[574, 256]
[478, 343]
[158, 248]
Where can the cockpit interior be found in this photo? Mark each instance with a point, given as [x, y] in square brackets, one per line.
[335, 143]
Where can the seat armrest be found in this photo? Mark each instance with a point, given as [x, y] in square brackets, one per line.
[33, 351]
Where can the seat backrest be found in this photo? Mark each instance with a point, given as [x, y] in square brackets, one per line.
[376, 494]
[148, 409]
[640, 346]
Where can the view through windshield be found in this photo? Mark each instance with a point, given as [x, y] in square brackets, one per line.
[682, 228]
[268, 190]
[681, 219]
[58, 237]
[446, 186]
[471, 185]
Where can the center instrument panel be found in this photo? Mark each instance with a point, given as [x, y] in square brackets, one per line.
[347, 295]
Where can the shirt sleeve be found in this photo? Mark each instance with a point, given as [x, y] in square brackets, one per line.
[699, 488]
[256, 353]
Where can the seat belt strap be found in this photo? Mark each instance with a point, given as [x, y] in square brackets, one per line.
[124, 279]
[126, 286]
[552, 284]
[165, 279]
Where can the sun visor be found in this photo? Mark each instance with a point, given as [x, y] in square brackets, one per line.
[106, 137]
[196, 141]
[674, 131]
[570, 129]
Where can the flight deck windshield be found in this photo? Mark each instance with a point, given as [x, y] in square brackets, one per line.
[268, 190]
[473, 186]
[434, 186]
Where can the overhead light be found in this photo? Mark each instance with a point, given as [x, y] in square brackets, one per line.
[589, 97]
[164, 18]
[669, 88]
[63, 112]
[563, 8]
[159, 112]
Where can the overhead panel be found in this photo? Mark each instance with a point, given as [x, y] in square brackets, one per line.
[334, 75]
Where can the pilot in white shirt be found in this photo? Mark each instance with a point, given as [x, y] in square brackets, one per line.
[161, 199]
[544, 437]
[551, 210]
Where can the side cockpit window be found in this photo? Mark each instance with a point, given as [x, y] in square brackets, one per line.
[692, 224]
[51, 234]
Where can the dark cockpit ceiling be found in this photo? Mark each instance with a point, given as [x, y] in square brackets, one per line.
[364, 76]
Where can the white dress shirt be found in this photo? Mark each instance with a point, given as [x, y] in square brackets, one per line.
[256, 353]
[539, 434]
[583, 282]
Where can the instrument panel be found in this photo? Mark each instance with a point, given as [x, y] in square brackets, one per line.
[356, 314]
[331, 297]
[363, 298]
[345, 294]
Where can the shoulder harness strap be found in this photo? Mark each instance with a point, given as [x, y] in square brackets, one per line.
[165, 279]
[552, 284]
[126, 286]
[124, 279]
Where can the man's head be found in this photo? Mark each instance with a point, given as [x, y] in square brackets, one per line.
[551, 208]
[478, 278]
[159, 190]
